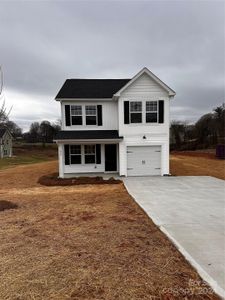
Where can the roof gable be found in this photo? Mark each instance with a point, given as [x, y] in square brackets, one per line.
[3, 131]
[152, 76]
[90, 88]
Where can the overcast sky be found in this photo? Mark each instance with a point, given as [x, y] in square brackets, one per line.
[45, 42]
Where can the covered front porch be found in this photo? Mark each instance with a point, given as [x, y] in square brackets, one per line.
[88, 153]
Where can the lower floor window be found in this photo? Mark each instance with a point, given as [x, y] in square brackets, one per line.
[89, 154]
[75, 154]
[82, 154]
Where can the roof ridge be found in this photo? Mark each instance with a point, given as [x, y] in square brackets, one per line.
[98, 79]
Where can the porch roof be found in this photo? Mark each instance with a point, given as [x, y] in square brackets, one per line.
[87, 135]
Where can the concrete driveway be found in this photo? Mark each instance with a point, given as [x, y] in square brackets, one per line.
[191, 212]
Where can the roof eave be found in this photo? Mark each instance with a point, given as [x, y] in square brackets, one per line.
[83, 99]
[170, 91]
[87, 140]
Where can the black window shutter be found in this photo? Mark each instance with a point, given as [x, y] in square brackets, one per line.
[161, 111]
[126, 112]
[98, 153]
[67, 115]
[67, 154]
[99, 111]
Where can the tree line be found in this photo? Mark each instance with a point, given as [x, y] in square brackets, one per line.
[207, 132]
[39, 132]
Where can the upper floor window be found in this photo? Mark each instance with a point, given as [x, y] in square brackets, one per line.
[151, 111]
[75, 154]
[91, 114]
[76, 115]
[135, 111]
[89, 154]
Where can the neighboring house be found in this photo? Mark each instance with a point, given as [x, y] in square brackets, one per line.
[5, 143]
[114, 125]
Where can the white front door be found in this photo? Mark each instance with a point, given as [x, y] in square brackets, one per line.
[143, 160]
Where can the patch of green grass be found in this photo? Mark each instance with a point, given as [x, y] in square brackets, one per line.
[21, 160]
[29, 154]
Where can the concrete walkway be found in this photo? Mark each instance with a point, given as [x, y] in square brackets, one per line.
[190, 210]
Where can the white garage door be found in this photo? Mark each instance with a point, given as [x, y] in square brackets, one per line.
[143, 160]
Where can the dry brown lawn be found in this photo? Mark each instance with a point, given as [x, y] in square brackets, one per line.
[84, 242]
[196, 163]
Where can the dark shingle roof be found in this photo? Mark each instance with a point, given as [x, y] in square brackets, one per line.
[87, 134]
[2, 132]
[91, 88]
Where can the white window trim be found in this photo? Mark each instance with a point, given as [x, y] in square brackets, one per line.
[75, 154]
[94, 154]
[83, 108]
[136, 112]
[156, 111]
[82, 154]
[71, 115]
[96, 114]
[144, 123]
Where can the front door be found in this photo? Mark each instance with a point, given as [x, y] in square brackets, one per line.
[110, 157]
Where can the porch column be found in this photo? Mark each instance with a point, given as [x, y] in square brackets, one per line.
[122, 159]
[61, 160]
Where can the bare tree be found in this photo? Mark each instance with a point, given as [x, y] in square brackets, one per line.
[14, 129]
[177, 133]
[3, 113]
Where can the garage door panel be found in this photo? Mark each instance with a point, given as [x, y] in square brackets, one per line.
[143, 160]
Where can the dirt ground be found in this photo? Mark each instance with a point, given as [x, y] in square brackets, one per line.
[196, 163]
[85, 242]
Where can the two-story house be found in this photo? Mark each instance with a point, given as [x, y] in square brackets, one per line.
[114, 125]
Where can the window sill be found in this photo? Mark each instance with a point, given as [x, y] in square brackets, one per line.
[144, 124]
[82, 126]
[83, 165]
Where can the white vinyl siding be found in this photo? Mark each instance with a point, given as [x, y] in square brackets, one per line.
[144, 86]
[109, 115]
[73, 169]
[6, 145]
[139, 129]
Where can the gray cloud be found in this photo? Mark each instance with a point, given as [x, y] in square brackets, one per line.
[45, 42]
